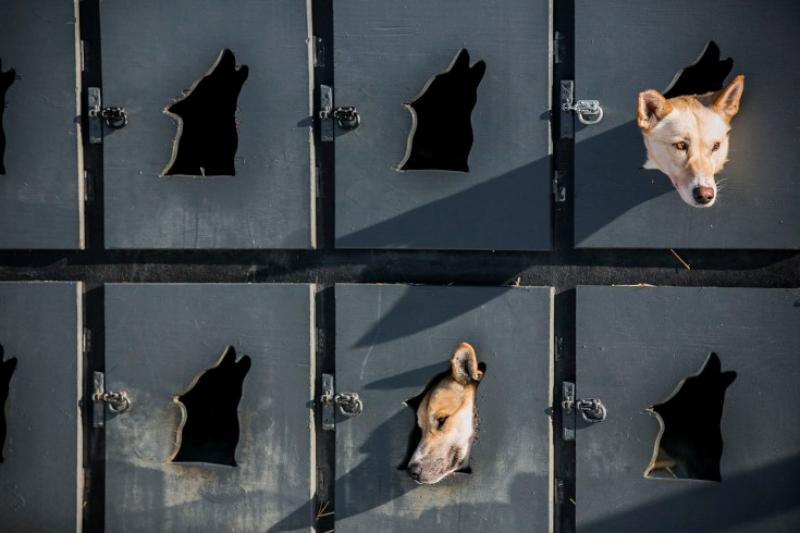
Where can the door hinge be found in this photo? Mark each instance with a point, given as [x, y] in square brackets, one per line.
[559, 46]
[559, 189]
[349, 403]
[561, 490]
[588, 111]
[102, 117]
[591, 410]
[87, 341]
[318, 49]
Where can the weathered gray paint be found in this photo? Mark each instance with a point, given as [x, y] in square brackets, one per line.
[626, 46]
[39, 325]
[158, 338]
[384, 54]
[633, 347]
[39, 204]
[154, 50]
[391, 340]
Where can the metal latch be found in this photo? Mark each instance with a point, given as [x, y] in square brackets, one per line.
[591, 410]
[346, 117]
[349, 403]
[589, 111]
[117, 402]
[113, 117]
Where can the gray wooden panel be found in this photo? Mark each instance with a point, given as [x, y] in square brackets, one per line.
[634, 346]
[391, 340]
[39, 199]
[627, 46]
[154, 50]
[39, 325]
[384, 54]
[158, 338]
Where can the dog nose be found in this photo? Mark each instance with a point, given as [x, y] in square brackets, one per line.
[414, 471]
[703, 195]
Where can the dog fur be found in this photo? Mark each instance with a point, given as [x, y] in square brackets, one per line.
[687, 138]
[447, 417]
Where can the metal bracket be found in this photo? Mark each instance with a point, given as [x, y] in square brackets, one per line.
[588, 111]
[325, 110]
[592, 411]
[117, 402]
[349, 403]
[111, 117]
[346, 118]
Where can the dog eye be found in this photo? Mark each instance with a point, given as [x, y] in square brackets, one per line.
[441, 421]
[682, 146]
[715, 147]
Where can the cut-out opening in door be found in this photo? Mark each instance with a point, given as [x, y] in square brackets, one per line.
[707, 74]
[447, 425]
[209, 431]
[689, 443]
[207, 137]
[7, 368]
[441, 118]
[6, 79]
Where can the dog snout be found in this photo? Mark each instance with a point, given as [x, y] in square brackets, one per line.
[703, 195]
[414, 471]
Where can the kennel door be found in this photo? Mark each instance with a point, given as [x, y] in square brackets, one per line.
[40, 197]
[622, 48]
[153, 52]
[391, 340]
[384, 54]
[158, 340]
[634, 346]
[42, 466]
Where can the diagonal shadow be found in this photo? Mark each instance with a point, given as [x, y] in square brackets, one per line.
[496, 214]
[740, 499]
[493, 215]
[497, 207]
[409, 379]
[609, 180]
[378, 460]
[416, 312]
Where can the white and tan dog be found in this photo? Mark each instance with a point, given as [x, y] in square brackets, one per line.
[687, 138]
[447, 417]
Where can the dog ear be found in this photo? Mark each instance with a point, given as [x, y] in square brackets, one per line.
[652, 108]
[726, 101]
[464, 364]
[477, 72]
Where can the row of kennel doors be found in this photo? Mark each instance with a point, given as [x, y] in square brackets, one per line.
[382, 56]
[633, 346]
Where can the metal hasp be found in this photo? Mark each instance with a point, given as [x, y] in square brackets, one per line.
[589, 111]
[113, 117]
[348, 402]
[591, 410]
[117, 402]
[346, 117]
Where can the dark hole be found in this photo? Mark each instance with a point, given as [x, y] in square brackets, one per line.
[705, 75]
[210, 429]
[416, 433]
[6, 371]
[207, 138]
[689, 445]
[441, 131]
[6, 79]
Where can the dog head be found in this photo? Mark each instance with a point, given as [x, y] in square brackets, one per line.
[446, 417]
[687, 138]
